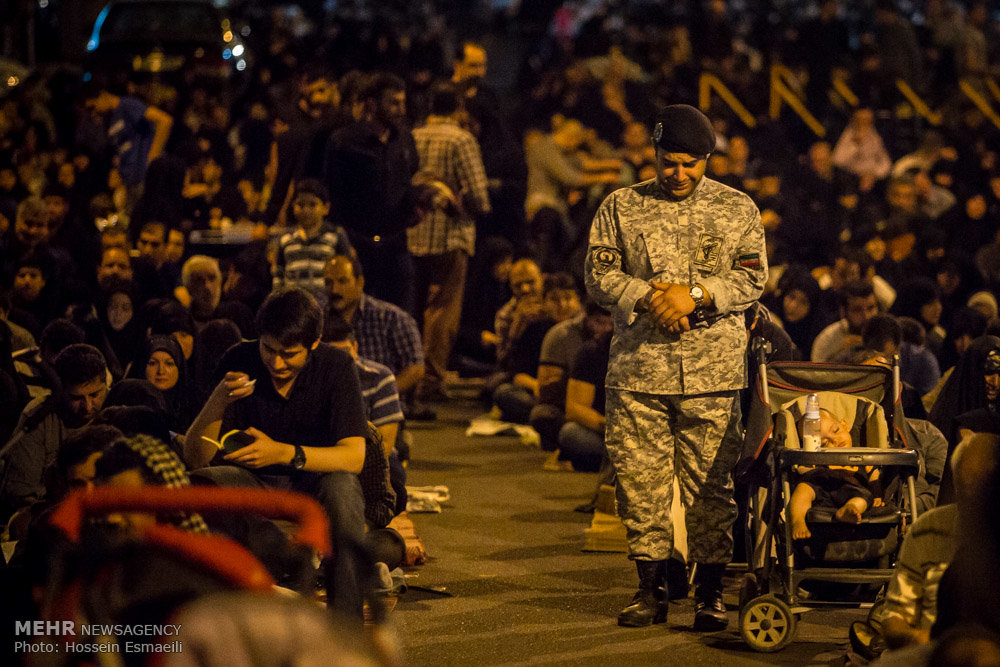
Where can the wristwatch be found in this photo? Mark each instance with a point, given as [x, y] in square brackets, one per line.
[697, 293]
[299, 460]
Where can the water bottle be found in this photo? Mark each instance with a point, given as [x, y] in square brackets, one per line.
[810, 424]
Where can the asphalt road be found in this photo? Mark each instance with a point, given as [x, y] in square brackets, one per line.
[506, 582]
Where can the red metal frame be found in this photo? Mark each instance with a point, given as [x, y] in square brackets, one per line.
[313, 525]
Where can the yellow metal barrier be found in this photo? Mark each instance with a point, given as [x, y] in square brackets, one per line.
[841, 88]
[708, 83]
[781, 92]
[994, 89]
[933, 117]
[980, 101]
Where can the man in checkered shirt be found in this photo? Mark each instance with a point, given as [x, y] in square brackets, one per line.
[444, 239]
[385, 333]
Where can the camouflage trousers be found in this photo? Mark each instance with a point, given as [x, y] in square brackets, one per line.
[653, 437]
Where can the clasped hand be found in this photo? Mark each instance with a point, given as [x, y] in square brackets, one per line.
[670, 304]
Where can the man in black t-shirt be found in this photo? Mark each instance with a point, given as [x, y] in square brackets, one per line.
[302, 403]
[581, 439]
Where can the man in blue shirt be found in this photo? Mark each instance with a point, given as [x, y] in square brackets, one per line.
[137, 133]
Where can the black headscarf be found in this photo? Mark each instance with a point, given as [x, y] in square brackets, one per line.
[965, 388]
[802, 332]
[181, 404]
[125, 341]
[964, 321]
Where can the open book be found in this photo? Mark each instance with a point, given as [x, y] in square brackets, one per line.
[231, 441]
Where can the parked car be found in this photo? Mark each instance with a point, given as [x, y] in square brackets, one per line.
[177, 40]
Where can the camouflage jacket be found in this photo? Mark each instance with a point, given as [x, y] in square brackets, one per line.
[715, 238]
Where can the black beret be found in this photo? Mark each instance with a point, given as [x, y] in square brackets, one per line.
[681, 128]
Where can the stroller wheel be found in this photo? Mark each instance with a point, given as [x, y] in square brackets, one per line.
[877, 613]
[749, 589]
[767, 624]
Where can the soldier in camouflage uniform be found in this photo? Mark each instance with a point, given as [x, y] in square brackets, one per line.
[676, 260]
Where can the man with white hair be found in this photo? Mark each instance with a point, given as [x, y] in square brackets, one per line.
[201, 293]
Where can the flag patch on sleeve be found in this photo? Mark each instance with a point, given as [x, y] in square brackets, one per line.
[750, 260]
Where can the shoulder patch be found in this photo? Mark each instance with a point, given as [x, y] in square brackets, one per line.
[709, 250]
[603, 259]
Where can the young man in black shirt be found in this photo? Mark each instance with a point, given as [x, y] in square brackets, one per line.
[302, 403]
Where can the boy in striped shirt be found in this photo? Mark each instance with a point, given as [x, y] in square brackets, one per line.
[304, 251]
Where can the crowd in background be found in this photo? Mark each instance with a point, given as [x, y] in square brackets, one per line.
[109, 187]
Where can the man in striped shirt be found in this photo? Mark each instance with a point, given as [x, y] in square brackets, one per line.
[304, 251]
[380, 396]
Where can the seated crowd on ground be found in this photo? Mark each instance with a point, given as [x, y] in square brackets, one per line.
[394, 226]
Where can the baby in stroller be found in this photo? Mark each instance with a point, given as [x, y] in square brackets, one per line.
[849, 489]
[865, 433]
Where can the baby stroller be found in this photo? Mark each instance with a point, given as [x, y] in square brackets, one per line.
[867, 397]
[218, 599]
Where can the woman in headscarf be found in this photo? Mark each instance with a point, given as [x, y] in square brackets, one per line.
[117, 312]
[162, 362]
[966, 325]
[971, 393]
[966, 388]
[797, 307]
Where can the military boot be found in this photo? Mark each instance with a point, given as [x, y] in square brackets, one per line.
[677, 578]
[649, 605]
[709, 612]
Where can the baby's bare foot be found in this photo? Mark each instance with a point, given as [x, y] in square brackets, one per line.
[800, 531]
[852, 510]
